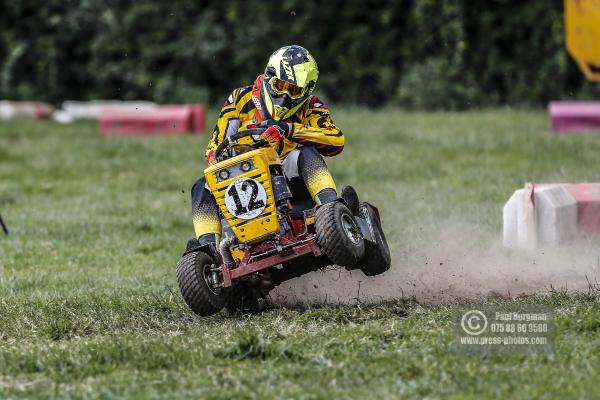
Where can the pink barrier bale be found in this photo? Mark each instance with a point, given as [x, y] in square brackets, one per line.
[198, 119]
[587, 196]
[574, 116]
[163, 120]
[25, 109]
[41, 110]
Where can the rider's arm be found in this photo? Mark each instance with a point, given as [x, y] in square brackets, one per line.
[318, 129]
[228, 120]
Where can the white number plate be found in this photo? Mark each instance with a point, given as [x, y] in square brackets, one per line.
[245, 198]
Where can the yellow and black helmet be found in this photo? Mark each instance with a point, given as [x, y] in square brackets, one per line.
[290, 77]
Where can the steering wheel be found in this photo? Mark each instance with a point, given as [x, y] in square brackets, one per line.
[237, 136]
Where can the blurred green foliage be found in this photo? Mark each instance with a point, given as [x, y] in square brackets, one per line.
[414, 53]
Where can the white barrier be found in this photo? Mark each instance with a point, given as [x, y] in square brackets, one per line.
[519, 221]
[72, 110]
[24, 109]
[556, 214]
[538, 216]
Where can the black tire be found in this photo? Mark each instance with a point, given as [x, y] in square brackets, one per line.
[377, 258]
[202, 299]
[339, 235]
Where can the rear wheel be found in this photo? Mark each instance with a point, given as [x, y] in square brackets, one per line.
[377, 258]
[195, 276]
[338, 234]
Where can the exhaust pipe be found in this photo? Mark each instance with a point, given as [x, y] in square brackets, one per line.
[225, 252]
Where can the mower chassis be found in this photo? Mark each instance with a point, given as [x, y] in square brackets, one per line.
[262, 258]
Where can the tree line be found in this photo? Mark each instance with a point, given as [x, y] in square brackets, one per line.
[421, 54]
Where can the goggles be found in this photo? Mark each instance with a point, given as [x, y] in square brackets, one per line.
[281, 87]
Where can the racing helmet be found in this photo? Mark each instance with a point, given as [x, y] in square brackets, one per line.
[290, 77]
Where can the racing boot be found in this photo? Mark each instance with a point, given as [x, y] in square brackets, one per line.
[326, 196]
[193, 243]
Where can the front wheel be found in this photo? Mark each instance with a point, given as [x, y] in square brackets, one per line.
[338, 234]
[196, 282]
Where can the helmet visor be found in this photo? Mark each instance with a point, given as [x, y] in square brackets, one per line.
[282, 87]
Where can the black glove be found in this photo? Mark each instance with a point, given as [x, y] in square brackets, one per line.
[285, 128]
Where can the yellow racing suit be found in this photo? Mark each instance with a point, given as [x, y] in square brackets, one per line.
[312, 123]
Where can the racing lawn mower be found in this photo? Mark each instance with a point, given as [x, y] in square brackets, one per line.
[269, 236]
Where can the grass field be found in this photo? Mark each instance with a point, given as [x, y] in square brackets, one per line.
[89, 306]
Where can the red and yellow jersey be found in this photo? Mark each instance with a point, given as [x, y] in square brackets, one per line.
[312, 124]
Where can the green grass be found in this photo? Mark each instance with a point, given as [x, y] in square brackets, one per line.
[89, 306]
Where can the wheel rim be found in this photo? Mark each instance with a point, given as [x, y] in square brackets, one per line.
[350, 228]
[207, 275]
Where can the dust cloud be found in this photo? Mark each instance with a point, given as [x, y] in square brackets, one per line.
[457, 263]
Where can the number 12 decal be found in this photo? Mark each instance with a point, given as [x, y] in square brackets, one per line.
[245, 198]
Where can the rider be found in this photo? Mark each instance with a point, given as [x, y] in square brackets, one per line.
[298, 126]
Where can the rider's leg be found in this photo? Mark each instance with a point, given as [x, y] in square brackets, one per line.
[205, 213]
[307, 163]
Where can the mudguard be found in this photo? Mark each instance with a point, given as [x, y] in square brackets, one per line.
[365, 226]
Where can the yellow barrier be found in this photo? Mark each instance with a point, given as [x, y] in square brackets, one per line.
[582, 27]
